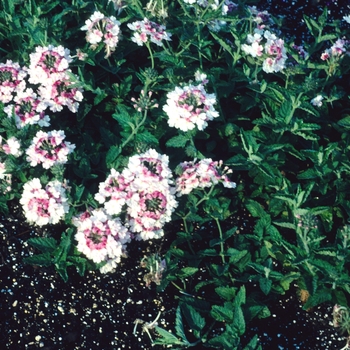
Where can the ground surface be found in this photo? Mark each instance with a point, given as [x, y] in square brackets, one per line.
[40, 311]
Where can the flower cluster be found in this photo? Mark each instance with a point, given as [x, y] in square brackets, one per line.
[11, 80]
[201, 174]
[147, 30]
[274, 52]
[317, 101]
[261, 18]
[46, 205]
[144, 187]
[49, 72]
[100, 28]
[49, 149]
[336, 50]
[28, 109]
[190, 106]
[101, 238]
[6, 179]
[12, 146]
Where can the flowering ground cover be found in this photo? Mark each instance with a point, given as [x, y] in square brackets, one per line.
[194, 154]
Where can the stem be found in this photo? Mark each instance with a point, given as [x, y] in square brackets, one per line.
[150, 54]
[134, 131]
[221, 241]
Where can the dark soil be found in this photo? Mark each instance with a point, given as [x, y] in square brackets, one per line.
[40, 311]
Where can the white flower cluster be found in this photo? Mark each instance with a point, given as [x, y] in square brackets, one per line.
[101, 238]
[143, 194]
[12, 146]
[147, 30]
[49, 69]
[11, 80]
[336, 50]
[190, 106]
[144, 187]
[6, 179]
[49, 149]
[273, 50]
[100, 28]
[317, 101]
[151, 201]
[44, 206]
[201, 174]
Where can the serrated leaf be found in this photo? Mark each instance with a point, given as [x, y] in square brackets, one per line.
[79, 263]
[112, 155]
[44, 244]
[318, 298]
[265, 285]
[255, 208]
[285, 224]
[221, 313]
[179, 327]
[254, 342]
[193, 317]
[186, 272]
[167, 338]
[309, 108]
[227, 293]
[345, 122]
[239, 321]
[178, 141]
[39, 259]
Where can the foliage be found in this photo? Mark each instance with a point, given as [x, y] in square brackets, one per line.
[272, 117]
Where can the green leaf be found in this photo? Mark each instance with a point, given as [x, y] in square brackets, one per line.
[186, 272]
[166, 338]
[255, 208]
[63, 249]
[44, 244]
[318, 298]
[227, 293]
[178, 141]
[39, 259]
[265, 285]
[112, 155]
[221, 313]
[193, 317]
[345, 122]
[239, 321]
[79, 263]
[179, 327]
[254, 342]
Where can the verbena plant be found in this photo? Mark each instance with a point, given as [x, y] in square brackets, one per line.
[118, 117]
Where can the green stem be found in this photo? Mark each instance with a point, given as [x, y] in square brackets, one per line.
[150, 54]
[221, 240]
[134, 130]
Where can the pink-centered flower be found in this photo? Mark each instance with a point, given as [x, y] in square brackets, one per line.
[102, 29]
[12, 146]
[335, 51]
[44, 205]
[101, 238]
[147, 30]
[11, 80]
[201, 174]
[49, 149]
[190, 106]
[28, 108]
[59, 93]
[266, 45]
[48, 63]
